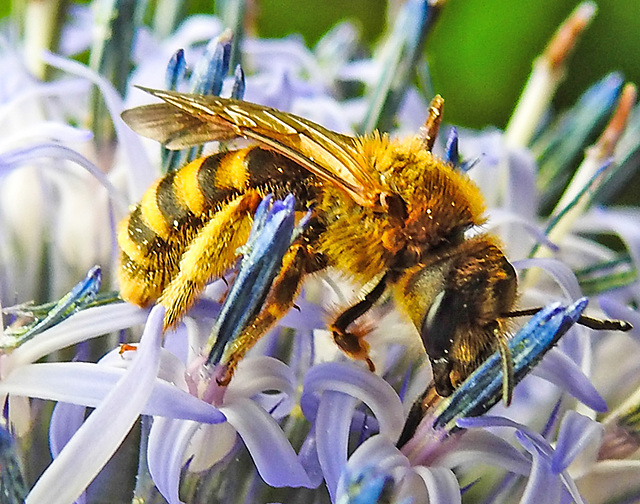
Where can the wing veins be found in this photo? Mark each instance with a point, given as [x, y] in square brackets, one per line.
[331, 156]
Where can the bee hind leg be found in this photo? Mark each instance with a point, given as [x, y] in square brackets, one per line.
[210, 253]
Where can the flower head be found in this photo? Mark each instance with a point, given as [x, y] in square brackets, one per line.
[292, 417]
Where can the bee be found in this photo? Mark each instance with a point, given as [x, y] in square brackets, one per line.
[387, 212]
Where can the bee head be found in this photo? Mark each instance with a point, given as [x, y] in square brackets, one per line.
[458, 303]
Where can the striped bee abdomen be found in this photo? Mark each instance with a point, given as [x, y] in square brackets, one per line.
[171, 214]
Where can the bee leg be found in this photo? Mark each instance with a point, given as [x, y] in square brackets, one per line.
[296, 263]
[353, 344]
[211, 252]
[417, 412]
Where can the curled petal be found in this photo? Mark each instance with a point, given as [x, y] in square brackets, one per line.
[543, 485]
[165, 459]
[441, 483]
[332, 426]
[558, 270]
[260, 374]
[352, 380]
[271, 451]
[481, 446]
[560, 370]
[576, 432]
[103, 432]
[500, 217]
[209, 445]
[379, 451]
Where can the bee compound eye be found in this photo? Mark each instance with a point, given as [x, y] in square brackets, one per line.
[394, 205]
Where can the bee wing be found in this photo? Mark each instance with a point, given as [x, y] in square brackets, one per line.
[188, 119]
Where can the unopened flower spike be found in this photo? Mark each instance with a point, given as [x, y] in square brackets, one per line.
[176, 71]
[207, 79]
[623, 126]
[82, 294]
[237, 91]
[175, 76]
[209, 74]
[591, 173]
[110, 56]
[213, 66]
[235, 14]
[602, 150]
[451, 154]
[548, 72]
[625, 155]
[269, 240]
[570, 206]
[399, 55]
[13, 489]
[562, 143]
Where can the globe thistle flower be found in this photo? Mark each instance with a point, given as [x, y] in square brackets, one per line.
[298, 423]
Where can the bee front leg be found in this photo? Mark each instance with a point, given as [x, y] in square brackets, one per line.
[296, 263]
[350, 343]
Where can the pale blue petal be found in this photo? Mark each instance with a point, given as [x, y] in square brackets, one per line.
[50, 130]
[81, 326]
[95, 442]
[560, 370]
[543, 485]
[66, 419]
[260, 374]
[168, 441]
[441, 483]
[357, 382]
[576, 433]
[332, 426]
[89, 384]
[559, 271]
[309, 457]
[617, 310]
[142, 172]
[270, 449]
[51, 150]
[482, 447]
[522, 196]
[499, 216]
[379, 451]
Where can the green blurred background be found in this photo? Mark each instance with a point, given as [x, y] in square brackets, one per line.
[480, 51]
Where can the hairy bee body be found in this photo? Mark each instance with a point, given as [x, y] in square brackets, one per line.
[383, 210]
[172, 212]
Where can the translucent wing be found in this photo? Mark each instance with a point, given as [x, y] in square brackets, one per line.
[189, 119]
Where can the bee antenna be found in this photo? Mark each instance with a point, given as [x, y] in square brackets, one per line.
[590, 322]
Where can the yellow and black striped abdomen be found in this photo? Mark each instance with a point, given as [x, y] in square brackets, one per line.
[173, 211]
